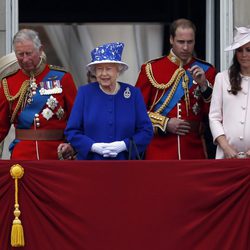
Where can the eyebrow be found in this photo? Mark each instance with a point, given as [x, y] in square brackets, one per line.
[183, 40]
[24, 52]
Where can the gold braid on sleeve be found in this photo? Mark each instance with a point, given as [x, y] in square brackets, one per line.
[20, 95]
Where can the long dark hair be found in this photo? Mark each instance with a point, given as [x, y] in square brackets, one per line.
[234, 76]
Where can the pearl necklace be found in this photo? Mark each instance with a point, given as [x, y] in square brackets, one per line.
[117, 87]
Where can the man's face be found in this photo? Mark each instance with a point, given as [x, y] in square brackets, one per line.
[27, 55]
[183, 43]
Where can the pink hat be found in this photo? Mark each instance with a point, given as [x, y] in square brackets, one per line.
[241, 37]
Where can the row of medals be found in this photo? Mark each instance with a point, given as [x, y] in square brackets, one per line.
[45, 90]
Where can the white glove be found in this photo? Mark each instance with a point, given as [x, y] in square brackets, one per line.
[115, 147]
[109, 153]
[98, 147]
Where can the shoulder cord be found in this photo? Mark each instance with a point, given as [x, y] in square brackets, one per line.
[20, 95]
[174, 80]
[157, 85]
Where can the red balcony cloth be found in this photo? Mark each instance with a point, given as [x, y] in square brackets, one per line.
[129, 205]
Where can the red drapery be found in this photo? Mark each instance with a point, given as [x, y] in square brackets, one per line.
[129, 205]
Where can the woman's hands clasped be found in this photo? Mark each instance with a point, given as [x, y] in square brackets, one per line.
[111, 149]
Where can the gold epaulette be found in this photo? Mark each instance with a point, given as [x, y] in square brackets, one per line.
[151, 61]
[59, 68]
[154, 60]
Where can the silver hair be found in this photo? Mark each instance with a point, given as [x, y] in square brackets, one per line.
[27, 34]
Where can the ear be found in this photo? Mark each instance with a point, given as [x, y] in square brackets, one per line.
[171, 40]
[41, 50]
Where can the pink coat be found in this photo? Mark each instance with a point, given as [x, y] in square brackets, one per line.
[230, 114]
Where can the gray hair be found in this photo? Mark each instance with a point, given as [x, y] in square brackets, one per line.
[27, 34]
[121, 68]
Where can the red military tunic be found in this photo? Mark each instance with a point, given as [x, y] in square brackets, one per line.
[52, 116]
[167, 145]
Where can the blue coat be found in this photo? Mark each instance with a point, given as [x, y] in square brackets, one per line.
[98, 117]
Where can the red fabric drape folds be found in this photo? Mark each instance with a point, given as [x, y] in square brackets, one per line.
[129, 205]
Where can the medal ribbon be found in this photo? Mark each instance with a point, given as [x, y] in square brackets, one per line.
[26, 117]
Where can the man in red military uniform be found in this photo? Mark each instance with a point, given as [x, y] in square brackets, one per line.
[177, 90]
[37, 98]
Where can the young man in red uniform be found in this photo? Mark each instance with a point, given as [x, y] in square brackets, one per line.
[177, 90]
[37, 98]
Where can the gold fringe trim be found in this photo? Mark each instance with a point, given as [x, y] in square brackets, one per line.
[17, 234]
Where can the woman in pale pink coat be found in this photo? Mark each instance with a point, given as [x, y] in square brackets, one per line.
[229, 114]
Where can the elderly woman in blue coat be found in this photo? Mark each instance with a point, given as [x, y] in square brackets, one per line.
[108, 114]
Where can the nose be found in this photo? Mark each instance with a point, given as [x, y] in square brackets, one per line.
[185, 45]
[25, 57]
[104, 71]
[244, 52]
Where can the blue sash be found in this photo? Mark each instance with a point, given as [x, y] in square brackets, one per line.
[179, 93]
[26, 117]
